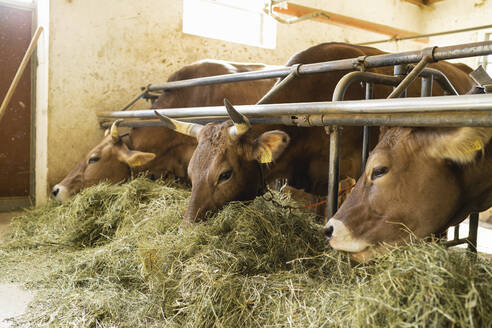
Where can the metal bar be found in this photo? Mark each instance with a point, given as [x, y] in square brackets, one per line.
[460, 104]
[427, 35]
[456, 232]
[348, 79]
[472, 119]
[426, 86]
[451, 243]
[441, 79]
[225, 78]
[134, 100]
[282, 120]
[410, 120]
[439, 53]
[410, 77]
[472, 233]
[279, 85]
[366, 131]
[333, 169]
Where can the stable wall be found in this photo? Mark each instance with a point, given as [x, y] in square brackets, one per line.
[458, 14]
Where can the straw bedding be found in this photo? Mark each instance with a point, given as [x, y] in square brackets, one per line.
[120, 256]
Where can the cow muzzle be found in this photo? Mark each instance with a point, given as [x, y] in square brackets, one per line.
[341, 238]
[60, 193]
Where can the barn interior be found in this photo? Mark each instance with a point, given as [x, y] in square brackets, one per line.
[95, 56]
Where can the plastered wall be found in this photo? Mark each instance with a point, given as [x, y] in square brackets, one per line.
[101, 52]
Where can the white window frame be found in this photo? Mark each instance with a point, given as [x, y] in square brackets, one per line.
[239, 21]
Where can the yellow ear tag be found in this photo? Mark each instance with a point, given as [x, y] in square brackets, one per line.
[135, 162]
[473, 146]
[266, 155]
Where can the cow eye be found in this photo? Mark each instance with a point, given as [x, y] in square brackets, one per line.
[378, 172]
[93, 159]
[225, 176]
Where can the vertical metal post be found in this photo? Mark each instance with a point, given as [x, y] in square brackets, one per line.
[333, 169]
[426, 87]
[457, 232]
[366, 132]
[472, 233]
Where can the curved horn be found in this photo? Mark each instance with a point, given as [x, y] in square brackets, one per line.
[114, 130]
[190, 129]
[241, 122]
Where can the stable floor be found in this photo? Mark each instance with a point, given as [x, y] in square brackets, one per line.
[13, 299]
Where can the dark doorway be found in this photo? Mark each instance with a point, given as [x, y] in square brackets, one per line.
[15, 128]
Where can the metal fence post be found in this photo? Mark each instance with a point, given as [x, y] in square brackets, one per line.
[333, 169]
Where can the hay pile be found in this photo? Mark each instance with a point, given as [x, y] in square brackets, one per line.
[119, 256]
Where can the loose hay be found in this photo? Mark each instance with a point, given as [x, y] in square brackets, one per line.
[119, 256]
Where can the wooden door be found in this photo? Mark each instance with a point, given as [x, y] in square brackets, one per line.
[15, 127]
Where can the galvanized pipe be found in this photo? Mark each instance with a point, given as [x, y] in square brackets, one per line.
[281, 120]
[366, 131]
[426, 86]
[353, 77]
[441, 79]
[471, 119]
[456, 232]
[280, 85]
[442, 119]
[428, 35]
[439, 53]
[472, 233]
[460, 104]
[402, 86]
[333, 169]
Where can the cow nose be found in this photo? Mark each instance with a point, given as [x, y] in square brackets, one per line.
[328, 232]
[55, 191]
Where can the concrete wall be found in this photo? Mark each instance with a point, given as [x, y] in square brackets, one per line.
[101, 52]
[458, 14]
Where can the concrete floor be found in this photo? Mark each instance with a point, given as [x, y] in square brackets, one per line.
[13, 299]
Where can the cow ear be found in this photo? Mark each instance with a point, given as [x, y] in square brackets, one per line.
[270, 145]
[135, 158]
[459, 145]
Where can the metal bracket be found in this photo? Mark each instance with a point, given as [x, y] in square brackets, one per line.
[429, 53]
[482, 78]
[360, 63]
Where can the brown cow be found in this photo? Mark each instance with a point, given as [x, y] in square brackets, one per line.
[417, 182]
[226, 165]
[157, 149]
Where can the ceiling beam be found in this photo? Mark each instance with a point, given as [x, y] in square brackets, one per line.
[295, 10]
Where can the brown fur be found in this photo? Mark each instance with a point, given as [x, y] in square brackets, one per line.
[173, 150]
[424, 191]
[305, 161]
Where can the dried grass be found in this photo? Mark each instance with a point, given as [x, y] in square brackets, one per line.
[120, 256]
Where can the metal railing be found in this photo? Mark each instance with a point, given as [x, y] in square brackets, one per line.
[448, 111]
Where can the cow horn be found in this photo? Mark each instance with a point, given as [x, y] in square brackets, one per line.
[241, 122]
[190, 129]
[114, 130]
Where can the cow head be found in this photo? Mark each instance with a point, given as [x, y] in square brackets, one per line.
[226, 163]
[413, 185]
[110, 160]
